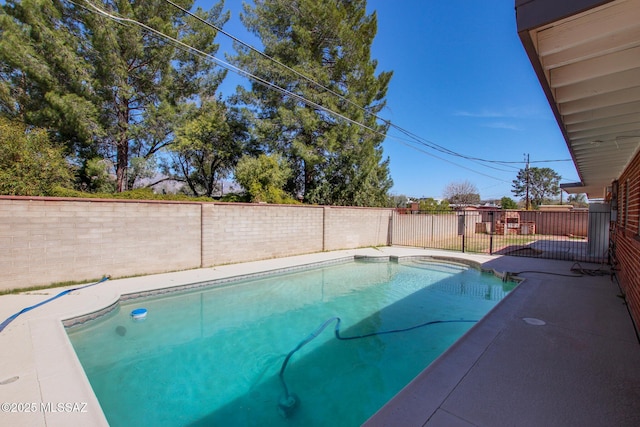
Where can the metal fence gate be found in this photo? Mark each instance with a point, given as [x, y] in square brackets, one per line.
[577, 235]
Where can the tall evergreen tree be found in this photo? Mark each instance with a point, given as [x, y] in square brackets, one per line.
[99, 78]
[143, 80]
[334, 160]
[44, 78]
[538, 184]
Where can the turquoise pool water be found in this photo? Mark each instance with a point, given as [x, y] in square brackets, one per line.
[212, 357]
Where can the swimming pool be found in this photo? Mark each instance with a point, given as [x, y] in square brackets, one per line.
[215, 356]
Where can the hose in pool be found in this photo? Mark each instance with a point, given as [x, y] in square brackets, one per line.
[24, 310]
[289, 401]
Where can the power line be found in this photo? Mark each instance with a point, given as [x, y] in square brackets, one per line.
[417, 138]
[272, 59]
[437, 147]
[450, 162]
[181, 45]
[226, 65]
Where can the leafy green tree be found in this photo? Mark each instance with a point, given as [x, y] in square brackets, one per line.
[30, 164]
[208, 146]
[96, 177]
[112, 87]
[333, 160]
[398, 201]
[432, 205]
[536, 185]
[263, 178]
[508, 203]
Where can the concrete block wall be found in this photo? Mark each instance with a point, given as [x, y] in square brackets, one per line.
[356, 227]
[558, 223]
[411, 230]
[246, 232]
[45, 241]
[424, 230]
[49, 240]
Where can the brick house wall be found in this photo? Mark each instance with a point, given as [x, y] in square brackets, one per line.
[626, 237]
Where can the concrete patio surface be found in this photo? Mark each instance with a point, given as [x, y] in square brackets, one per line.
[558, 351]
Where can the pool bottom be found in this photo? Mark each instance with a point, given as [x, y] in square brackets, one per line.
[245, 390]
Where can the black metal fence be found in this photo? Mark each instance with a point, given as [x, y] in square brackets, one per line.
[577, 235]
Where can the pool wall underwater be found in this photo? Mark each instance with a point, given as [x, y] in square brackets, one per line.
[210, 356]
[51, 370]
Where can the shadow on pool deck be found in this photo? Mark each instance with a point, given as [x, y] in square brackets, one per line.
[580, 368]
[558, 249]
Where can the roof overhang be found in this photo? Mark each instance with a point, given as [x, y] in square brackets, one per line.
[586, 54]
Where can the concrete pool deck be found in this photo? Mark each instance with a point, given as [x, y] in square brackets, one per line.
[558, 351]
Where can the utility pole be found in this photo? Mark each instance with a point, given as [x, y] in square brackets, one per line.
[527, 203]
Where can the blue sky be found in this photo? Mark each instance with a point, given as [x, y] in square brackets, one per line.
[462, 81]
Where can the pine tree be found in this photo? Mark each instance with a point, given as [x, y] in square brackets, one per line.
[44, 79]
[101, 80]
[334, 160]
[539, 184]
[143, 80]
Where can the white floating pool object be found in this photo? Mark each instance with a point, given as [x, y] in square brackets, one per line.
[533, 321]
[139, 314]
